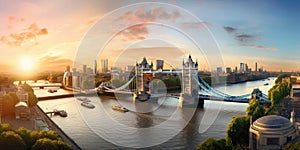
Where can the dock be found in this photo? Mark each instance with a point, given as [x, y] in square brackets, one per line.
[56, 128]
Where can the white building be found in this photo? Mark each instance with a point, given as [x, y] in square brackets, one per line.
[272, 132]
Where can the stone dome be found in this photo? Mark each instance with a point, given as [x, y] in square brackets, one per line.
[272, 122]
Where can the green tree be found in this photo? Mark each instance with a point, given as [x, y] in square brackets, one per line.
[62, 145]
[27, 87]
[44, 144]
[32, 99]
[12, 141]
[212, 144]
[5, 127]
[237, 133]
[291, 146]
[29, 137]
[49, 135]
[255, 110]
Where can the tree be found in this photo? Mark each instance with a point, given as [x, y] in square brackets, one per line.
[212, 144]
[5, 127]
[27, 87]
[255, 110]
[62, 145]
[237, 133]
[44, 144]
[291, 146]
[32, 99]
[12, 141]
[29, 137]
[49, 135]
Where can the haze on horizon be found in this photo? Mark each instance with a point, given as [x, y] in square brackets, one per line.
[45, 35]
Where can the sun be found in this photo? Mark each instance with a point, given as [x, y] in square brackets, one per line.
[27, 64]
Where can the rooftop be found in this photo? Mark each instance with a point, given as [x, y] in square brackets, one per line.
[272, 121]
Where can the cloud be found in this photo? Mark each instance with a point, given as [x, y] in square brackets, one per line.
[28, 34]
[12, 20]
[260, 47]
[137, 32]
[247, 40]
[229, 29]
[150, 15]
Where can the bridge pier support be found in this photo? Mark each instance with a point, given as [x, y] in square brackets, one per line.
[190, 101]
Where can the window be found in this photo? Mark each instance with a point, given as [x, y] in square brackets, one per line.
[288, 139]
[272, 141]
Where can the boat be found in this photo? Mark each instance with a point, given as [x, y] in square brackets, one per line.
[88, 105]
[120, 108]
[52, 91]
[84, 99]
[266, 84]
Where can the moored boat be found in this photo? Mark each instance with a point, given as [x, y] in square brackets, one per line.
[120, 108]
[84, 99]
[88, 105]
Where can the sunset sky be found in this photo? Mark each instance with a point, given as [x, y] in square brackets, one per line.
[46, 35]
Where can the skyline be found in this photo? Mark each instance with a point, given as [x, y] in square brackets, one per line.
[49, 34]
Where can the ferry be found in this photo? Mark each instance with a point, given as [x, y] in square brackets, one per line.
[84, 99]
[120, 108]
[88, 105]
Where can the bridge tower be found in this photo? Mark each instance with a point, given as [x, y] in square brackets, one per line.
[144, 76]
[189, 87]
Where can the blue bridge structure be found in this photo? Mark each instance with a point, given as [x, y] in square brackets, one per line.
[194, 90]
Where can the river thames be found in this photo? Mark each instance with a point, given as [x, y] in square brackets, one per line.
[90, 129]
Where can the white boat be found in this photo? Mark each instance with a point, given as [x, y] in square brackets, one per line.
[84, 99]
[88, 105]
[120, 108]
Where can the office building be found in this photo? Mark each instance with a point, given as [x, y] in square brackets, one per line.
[104, 65]
[159, 64]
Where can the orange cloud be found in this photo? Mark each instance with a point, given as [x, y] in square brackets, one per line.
[12, 20]
[137, 32]
[30, 33]
[150, 15]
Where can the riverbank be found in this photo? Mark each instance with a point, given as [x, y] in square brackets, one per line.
[36, 112]
[56, 128]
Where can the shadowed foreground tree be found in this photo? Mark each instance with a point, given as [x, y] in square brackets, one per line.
[237, 134]
[12, 141]
[255, 110]
[47, 144]
[212, 144]
[291, 146]
[29, 137]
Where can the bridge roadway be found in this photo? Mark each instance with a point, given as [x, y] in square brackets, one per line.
[176, 95]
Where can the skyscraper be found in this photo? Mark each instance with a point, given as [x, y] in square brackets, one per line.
[256, 67]
[84, 68]
[159, 64]
[104, 65]
[242, 67]
[95, 67]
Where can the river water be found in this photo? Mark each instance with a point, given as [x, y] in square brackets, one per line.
[162, 125]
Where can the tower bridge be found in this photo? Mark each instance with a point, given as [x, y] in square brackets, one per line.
[191, 86]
